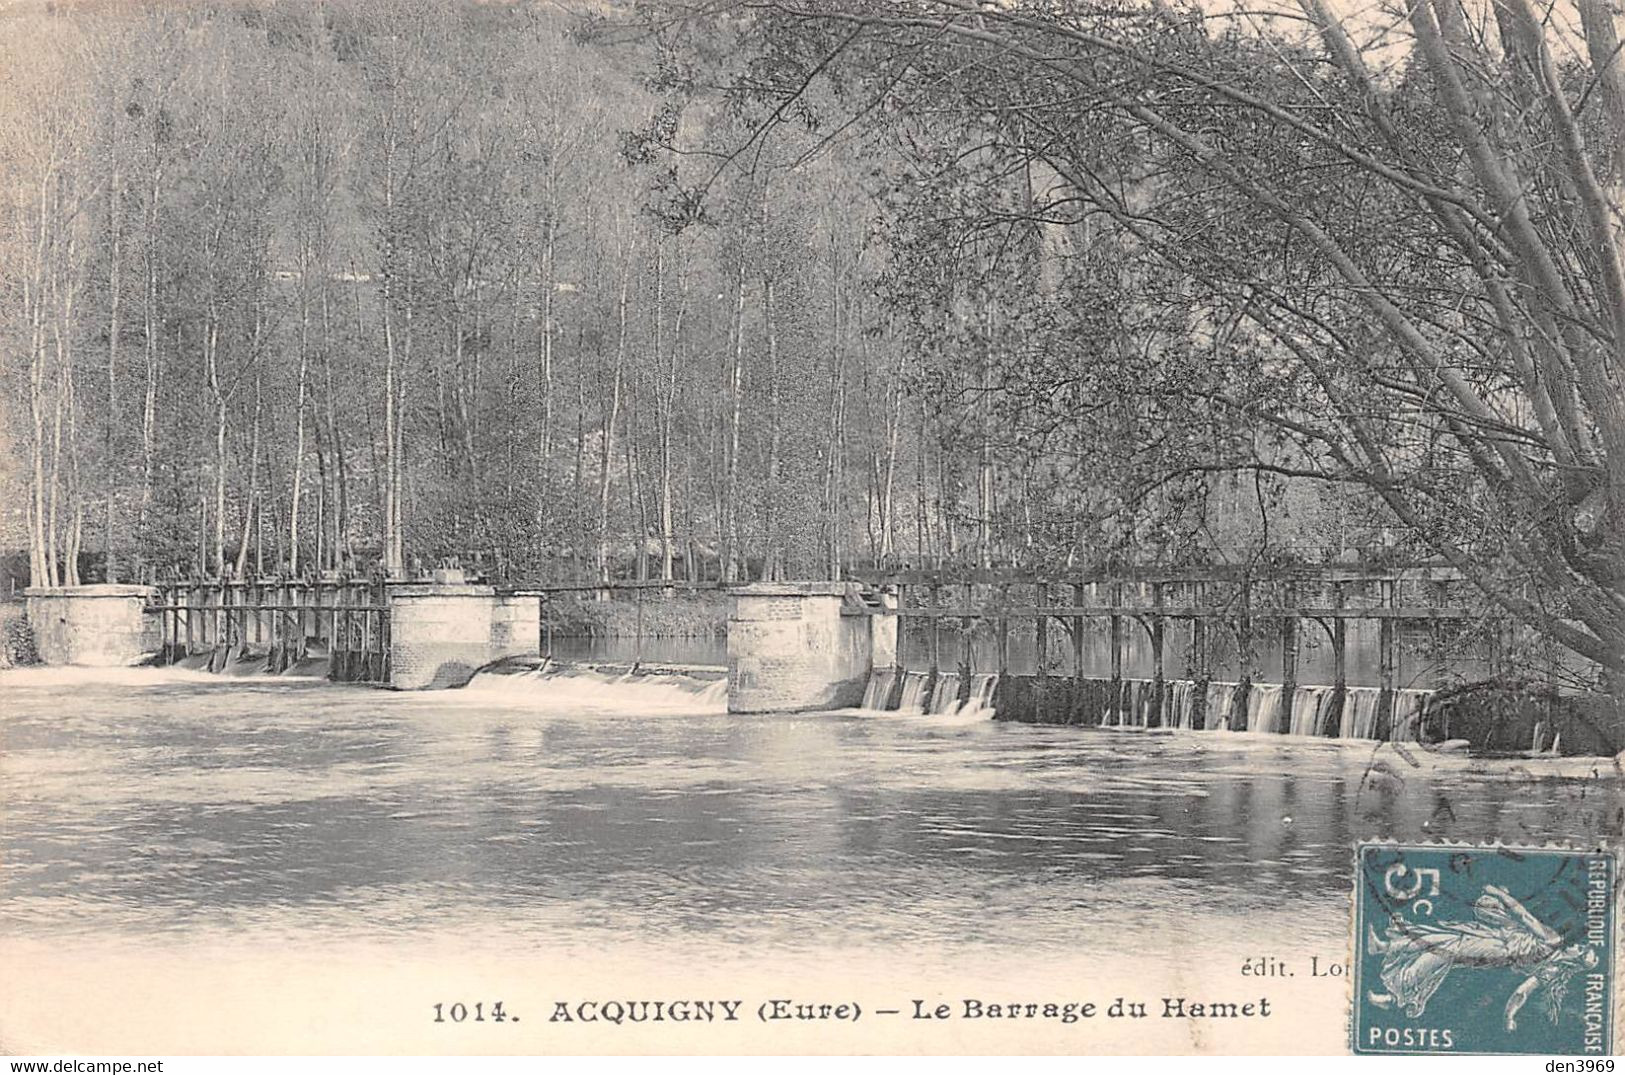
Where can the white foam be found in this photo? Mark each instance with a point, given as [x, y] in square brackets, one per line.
[570, 688]
[117, 675]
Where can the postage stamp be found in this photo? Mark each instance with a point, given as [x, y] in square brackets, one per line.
[1484, 949]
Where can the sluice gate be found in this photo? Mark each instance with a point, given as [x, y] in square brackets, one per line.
[1185, 628]
[337, 629]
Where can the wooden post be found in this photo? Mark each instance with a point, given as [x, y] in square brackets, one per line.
[936, 632]
[1158, 673]
[1200, 674]
[1043, 650]
[1116, 708]
[548, 628]
[1077, 632]
[1340, 660]
[967, 628]
[1003, 628]
[1077, 655]
[1289, 654]
[1247, 659]
[1340, 639]
[1387, 653]
[902, 641]
[637, 641]
[338, 648]
[1436, 645]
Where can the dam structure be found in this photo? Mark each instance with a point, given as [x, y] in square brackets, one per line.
[1334, 652]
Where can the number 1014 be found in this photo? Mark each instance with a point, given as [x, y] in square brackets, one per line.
[477, 1012]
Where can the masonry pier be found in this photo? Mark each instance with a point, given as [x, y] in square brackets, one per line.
[105, 625]
[798, 646]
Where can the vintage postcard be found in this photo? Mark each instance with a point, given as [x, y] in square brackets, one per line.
[538, 527]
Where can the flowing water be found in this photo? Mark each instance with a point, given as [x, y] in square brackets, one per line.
[913, 698]
[222, 821]
[945, 695]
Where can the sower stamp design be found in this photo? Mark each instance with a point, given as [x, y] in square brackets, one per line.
[1483, 950]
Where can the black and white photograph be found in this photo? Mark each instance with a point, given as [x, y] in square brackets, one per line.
[811, 527]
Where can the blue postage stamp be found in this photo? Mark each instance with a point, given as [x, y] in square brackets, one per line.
[1484, 950]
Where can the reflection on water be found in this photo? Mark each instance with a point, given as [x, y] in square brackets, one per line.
[173, 805]
[682, 649]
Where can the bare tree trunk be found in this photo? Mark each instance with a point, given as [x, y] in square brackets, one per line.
[398, 447]
[115, 212]
[544, 446]
[341, 490]
[668, 416]
[984, 451]
[62, 555]
[253, 511]
[736, 401]
[612, 414]
[837, 406]
[152, 323]
[578, 503]
[299, 411]
[212, 361]
[894, 426]
[40, 563]
[921, 516]
[773, 566]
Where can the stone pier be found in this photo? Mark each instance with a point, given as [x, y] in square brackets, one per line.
[441, 633]
[795, 646]
[104, 625]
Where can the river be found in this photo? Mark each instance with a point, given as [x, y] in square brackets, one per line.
[292, 865]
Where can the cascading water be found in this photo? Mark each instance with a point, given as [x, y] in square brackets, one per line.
[980, 702]
[1182, 705]
[1328, 712]
[1221, 698]
[1360, 713]
[1408, 707]
[241, 662]
[1310, 710]
[1264, 708]
[1135, 703]
[913, 698]
[878, 692]
[945, 698]
[1139, 695]
[560, 685]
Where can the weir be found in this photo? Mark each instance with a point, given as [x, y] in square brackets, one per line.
[1310, 711]
[567, 684]
[803, 646]
[1229, 619]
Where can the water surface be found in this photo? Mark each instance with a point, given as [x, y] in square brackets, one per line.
[172, 810]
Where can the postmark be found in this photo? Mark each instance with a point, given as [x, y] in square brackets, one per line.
[1472, 949]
